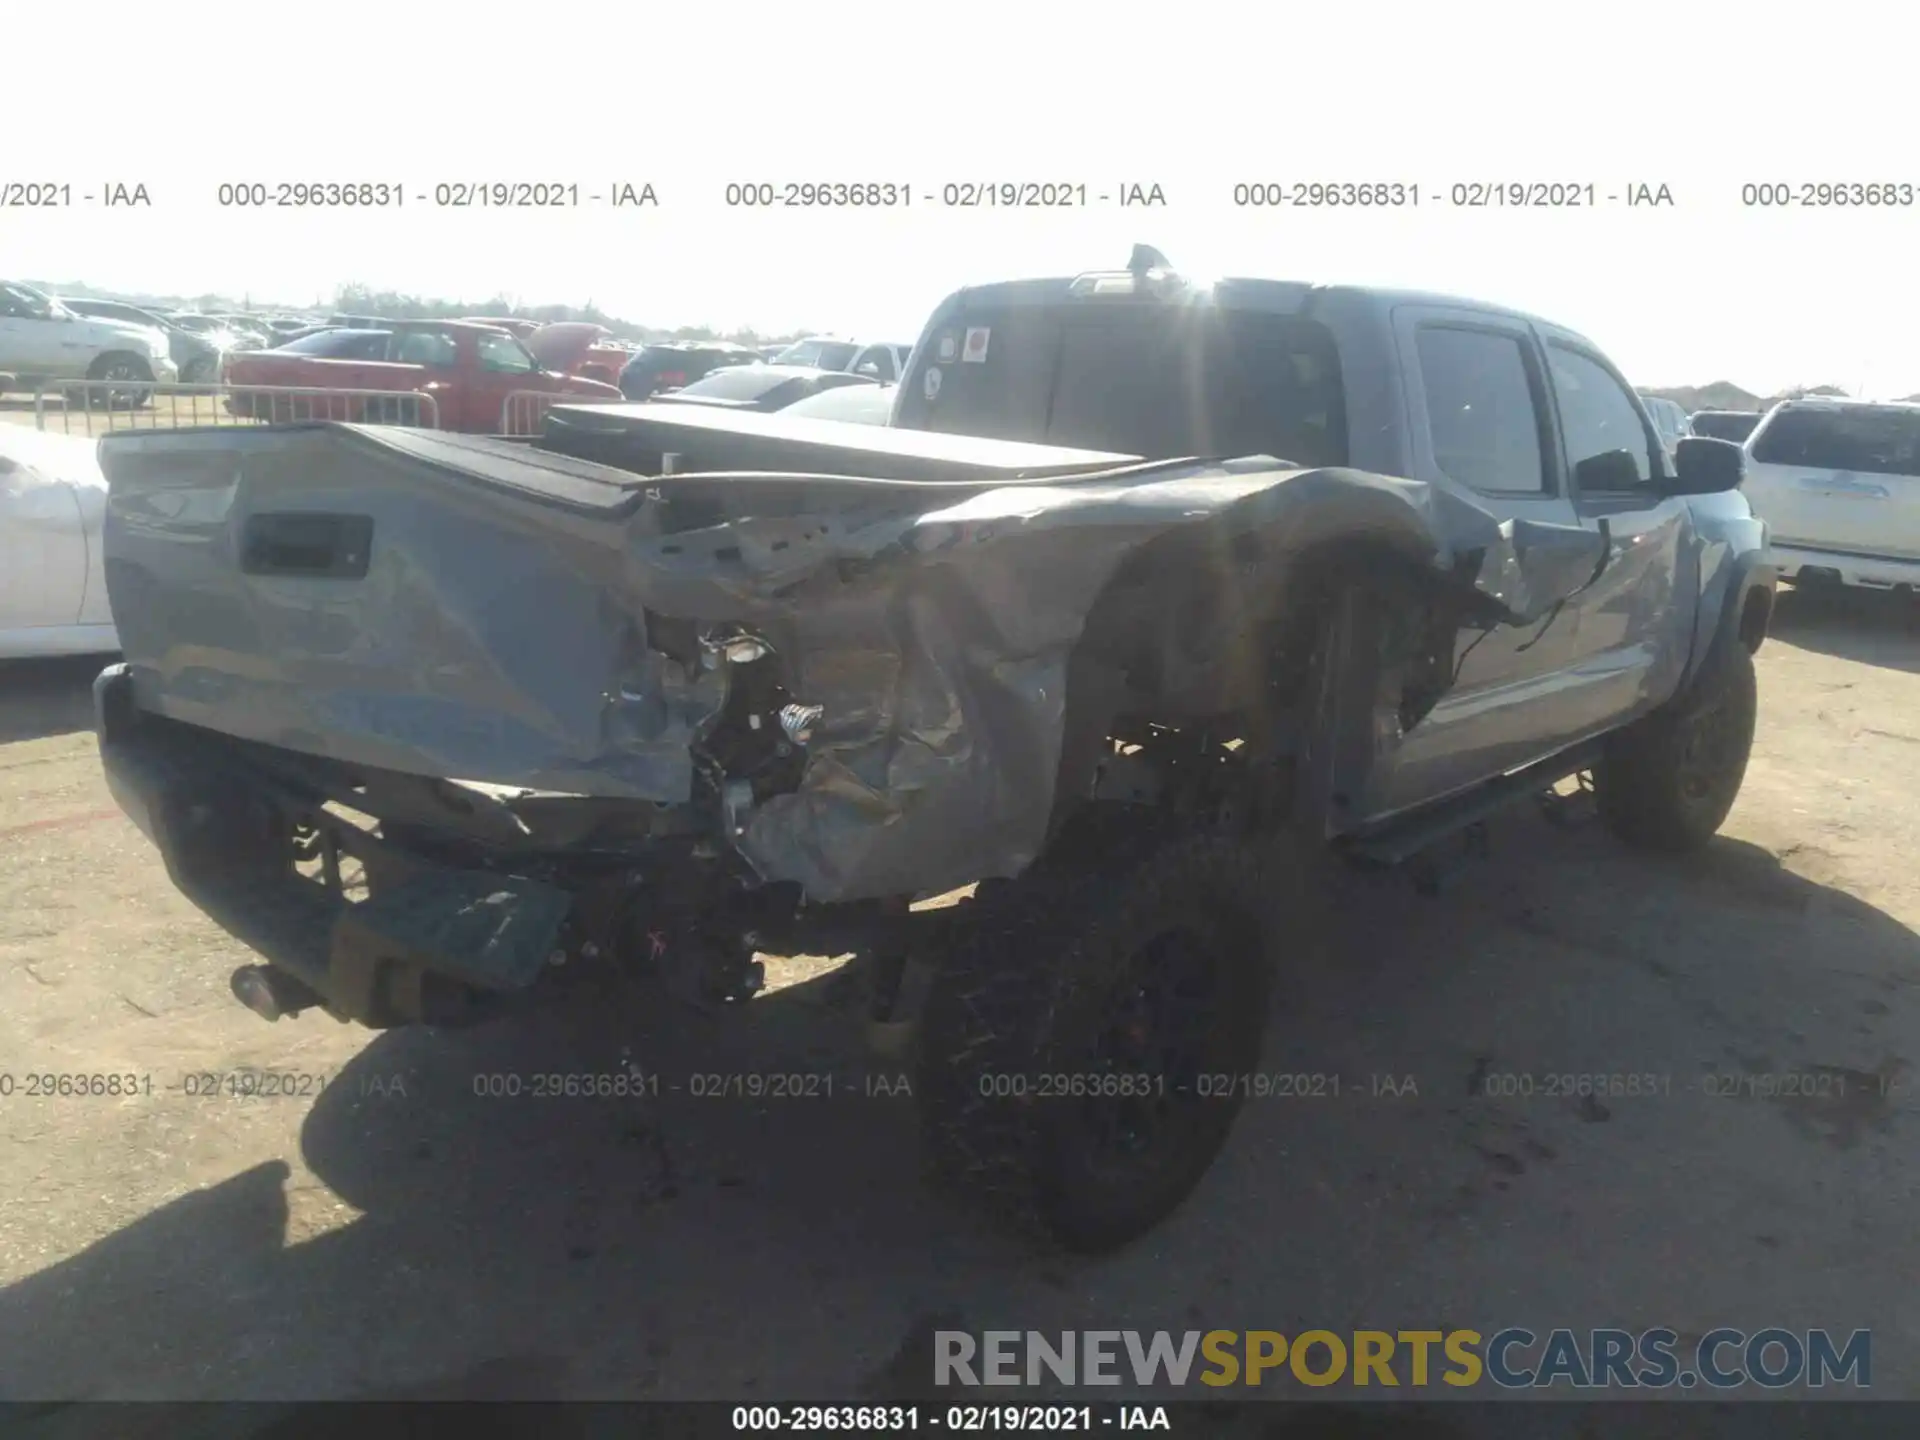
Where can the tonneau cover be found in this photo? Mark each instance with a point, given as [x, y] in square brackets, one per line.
[708, 438]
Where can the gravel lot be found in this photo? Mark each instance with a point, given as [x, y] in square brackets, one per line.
[389, 1231]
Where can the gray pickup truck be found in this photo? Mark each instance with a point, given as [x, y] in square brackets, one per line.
[1152, 597]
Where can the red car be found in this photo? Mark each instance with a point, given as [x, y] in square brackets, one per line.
[468, 369]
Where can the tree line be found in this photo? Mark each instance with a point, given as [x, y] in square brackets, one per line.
[391, 305]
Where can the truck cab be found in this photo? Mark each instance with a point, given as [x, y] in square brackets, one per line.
[1528, 418]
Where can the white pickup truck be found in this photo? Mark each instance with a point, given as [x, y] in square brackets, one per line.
[42, 341]
[1838, 483]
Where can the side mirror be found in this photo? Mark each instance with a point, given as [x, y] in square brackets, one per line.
[1610, 470]
[1706, 466]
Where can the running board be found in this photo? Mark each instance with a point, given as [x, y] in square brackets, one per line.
[1399, 840]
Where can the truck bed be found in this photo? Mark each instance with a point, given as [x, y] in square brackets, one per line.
[636, 437]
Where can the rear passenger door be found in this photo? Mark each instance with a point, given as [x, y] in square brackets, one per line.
[1633, 627]
[437, 352]
[1481, 416]
[501, 365]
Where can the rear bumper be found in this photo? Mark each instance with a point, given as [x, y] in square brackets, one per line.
[1871, 572]
[429, 943]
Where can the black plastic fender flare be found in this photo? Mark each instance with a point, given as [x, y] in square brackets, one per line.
[1748, 573]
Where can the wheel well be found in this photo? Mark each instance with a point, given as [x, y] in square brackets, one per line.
[101, 361]
[1215, 643]
[1755, 613]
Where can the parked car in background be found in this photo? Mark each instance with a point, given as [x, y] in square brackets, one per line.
[304, 333]
[257, 327]
[517, 326]
[469, 370]
[1669, 419]
[196, 356]
[53, 592]
[885, 363]
[327, 343]
[764, 388]
[220, 331]
[670, 364]
[588, 349]
[1734, 425]
[42, 341]
[1838, 483]
[855, 404]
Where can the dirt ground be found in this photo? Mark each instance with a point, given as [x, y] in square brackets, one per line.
[388, 1230]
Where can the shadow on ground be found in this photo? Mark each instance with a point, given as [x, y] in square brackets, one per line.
[1874, 627]
[697, 1244]
[39, 698]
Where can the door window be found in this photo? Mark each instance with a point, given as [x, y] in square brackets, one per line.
[19, 303]
[1597, 412]
[1865, 440]
[1481, 416]
[504, 355]
[433, 348]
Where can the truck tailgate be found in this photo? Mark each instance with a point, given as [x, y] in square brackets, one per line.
[1847, 511]
[402, 599]
[475, 608]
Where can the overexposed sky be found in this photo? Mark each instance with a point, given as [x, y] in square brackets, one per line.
[1193, 97]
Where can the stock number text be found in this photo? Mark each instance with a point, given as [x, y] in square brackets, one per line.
[818, 194]
[314, 194]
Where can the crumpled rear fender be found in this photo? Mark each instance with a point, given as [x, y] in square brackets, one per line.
[532, 620]
[943, 658]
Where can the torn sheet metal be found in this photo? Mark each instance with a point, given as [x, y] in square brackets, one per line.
[501, 632]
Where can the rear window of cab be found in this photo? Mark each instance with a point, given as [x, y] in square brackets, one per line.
[1870, 440]
[1140, 378]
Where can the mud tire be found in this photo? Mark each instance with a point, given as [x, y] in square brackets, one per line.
[1667, 782]
[1025, 1001]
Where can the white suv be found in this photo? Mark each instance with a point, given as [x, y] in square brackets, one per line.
[1838, 483]
[885, 363]
[42, 341]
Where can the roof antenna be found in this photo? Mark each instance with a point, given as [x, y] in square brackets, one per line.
[1146, 258]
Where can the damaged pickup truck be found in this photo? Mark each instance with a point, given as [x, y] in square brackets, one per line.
[1153, 596]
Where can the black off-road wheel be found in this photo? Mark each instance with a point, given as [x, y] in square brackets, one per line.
[123, 369]
[1080, 1044]
[1667, 782]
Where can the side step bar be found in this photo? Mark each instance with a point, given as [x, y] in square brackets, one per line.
[1399, 840]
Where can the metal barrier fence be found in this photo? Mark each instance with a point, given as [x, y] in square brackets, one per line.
[524, 412]
[93, 407]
